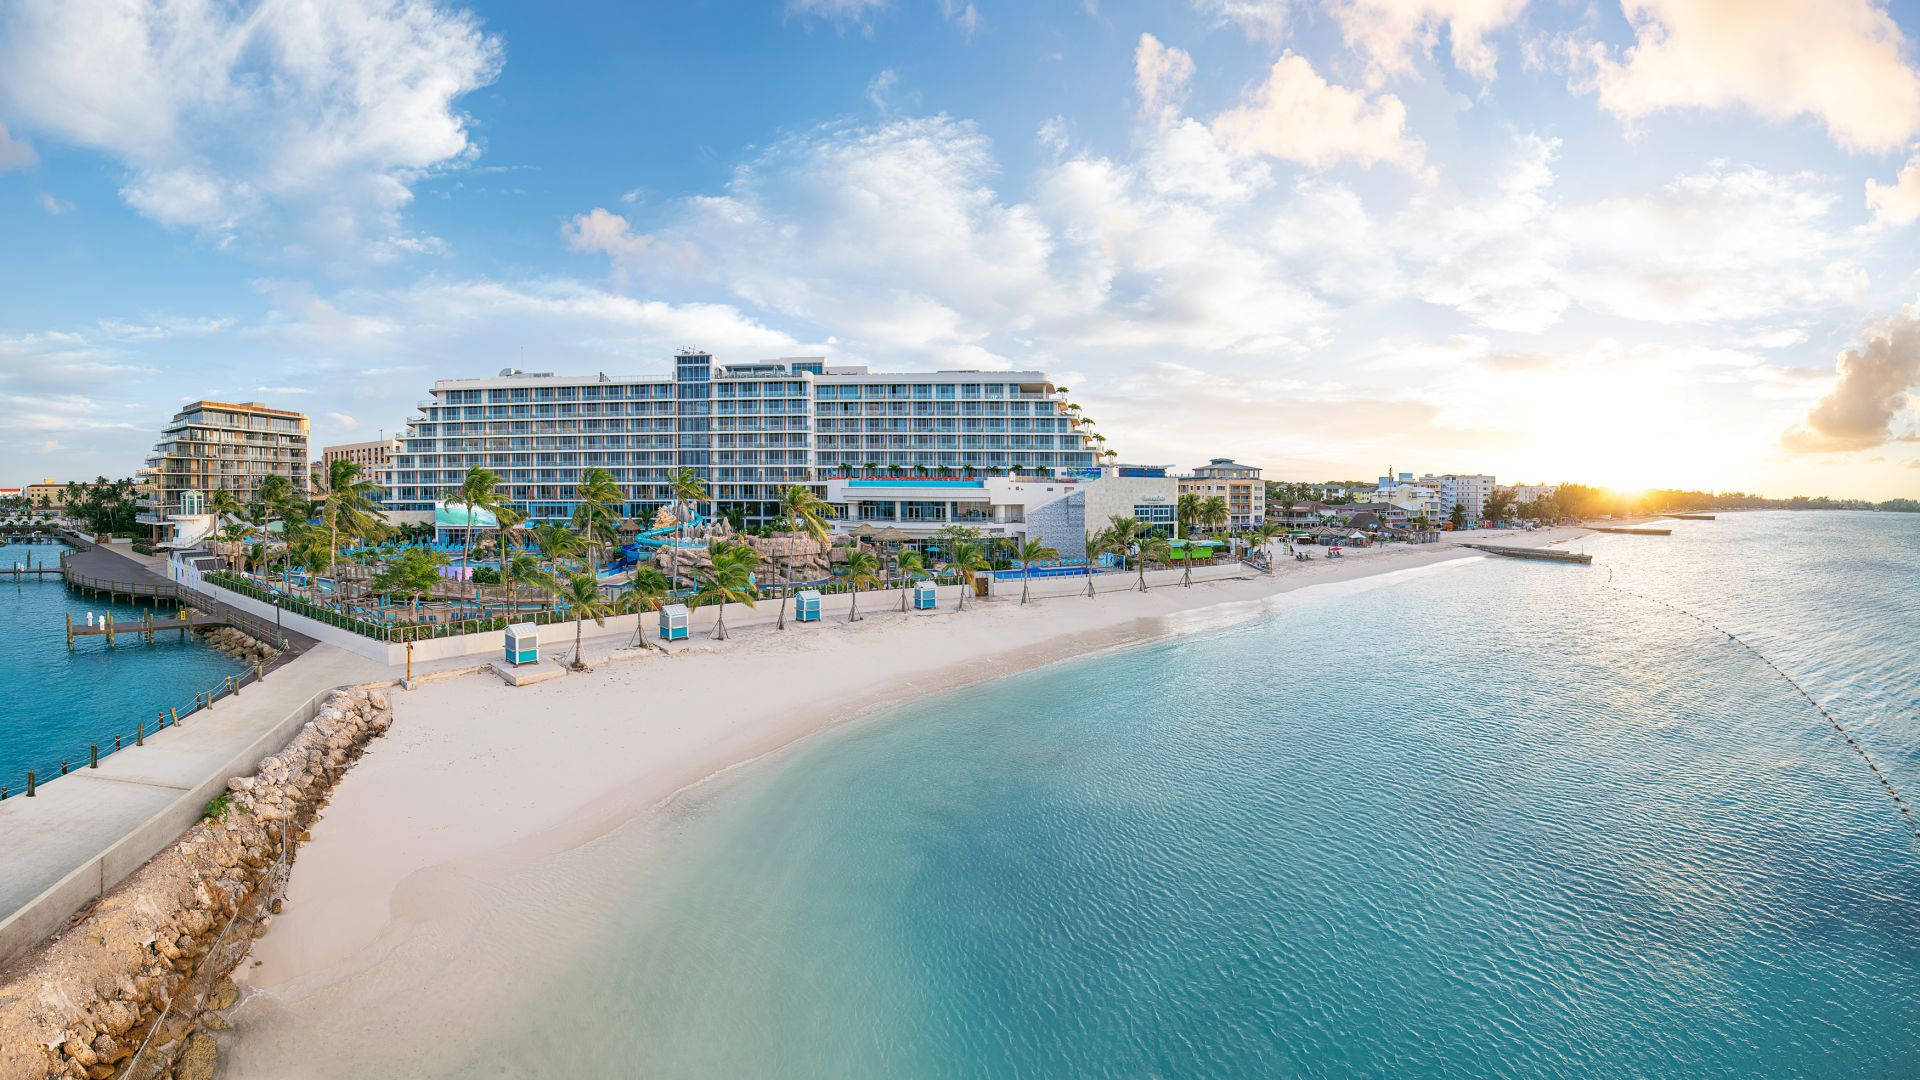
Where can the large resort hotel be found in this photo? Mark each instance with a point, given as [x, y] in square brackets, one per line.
[911, 452]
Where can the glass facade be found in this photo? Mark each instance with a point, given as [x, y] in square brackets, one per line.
[750, 430]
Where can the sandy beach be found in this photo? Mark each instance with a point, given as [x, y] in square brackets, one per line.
[482, 777]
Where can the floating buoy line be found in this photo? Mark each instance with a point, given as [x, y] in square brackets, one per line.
[1899, 802]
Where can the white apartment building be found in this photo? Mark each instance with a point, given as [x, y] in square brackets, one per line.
[1240, 485]
[211, 445]
[749, 429]
[1470, 491]
[1415, 498]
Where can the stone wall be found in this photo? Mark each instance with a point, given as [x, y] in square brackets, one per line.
[148, 964]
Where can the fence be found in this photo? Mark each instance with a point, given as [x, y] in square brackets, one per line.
[252, 626]
[16, 783]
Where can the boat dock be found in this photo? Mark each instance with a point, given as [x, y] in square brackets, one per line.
[144, 628]
[18, 572]
[1542, 553]
[1630, 530]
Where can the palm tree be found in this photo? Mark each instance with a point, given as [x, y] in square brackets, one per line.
[862, 573]
[232, 535]
[1213, 511]
[557, 544]
[1123, 535]
[1030, 551]
[1095, 544]
[271, 501]
[1187, 509]
[966, 559]
[510, 518]
[1155, 548]
[1264, 535]
[727, 580]
[221, 503]
[687, 488]
[594, 517]
[414, 574]
[804, 512]
[907, 562]
[348, 506]
[647, 591]
[478, 490]
[581, 593]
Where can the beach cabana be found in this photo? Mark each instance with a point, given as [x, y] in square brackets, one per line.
[924, 596]
[806, 605]
[523, 643]
[674, 620]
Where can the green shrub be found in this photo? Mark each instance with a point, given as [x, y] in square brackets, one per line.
[216, 810]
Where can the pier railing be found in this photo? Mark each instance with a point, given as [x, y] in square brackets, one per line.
[157, 592]
[122, 734]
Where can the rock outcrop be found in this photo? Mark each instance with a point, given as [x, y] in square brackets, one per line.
[147, 965]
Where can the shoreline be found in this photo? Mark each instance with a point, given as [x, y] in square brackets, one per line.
[410, 808]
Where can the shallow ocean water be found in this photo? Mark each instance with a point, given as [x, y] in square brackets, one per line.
[1493, 818]
[61, 702]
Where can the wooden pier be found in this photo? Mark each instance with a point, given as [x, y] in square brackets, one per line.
[1630, 530]
[1692, 517]
[143, 628]
[1541, 553]
[18, 572]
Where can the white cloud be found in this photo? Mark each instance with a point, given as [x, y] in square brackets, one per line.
[858, 13]
[1493, 258]
[1897, 203]
[606, 232]
[317, 113]
[51, 446]
[1870, 389]
[1387, 31]
[54, 205]
[1842, 62]
[1160, 77]
[343, 421]
[1299, 116]
[282, 391]
[14, 154]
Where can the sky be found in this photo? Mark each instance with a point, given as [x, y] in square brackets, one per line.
[1626, 242]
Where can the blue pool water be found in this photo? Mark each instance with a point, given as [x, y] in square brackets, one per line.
[61, 702]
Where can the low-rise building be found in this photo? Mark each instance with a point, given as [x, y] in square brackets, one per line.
[1059, 511]
[48, 493]
[1469, 491]
[1240, 485]
[373, 456]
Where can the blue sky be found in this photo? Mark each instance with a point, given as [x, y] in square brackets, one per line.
[1658, 242]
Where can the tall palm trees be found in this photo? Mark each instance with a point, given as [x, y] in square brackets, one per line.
[271, 500]
[594, 517]
[862, 573]
[804, 512]
[687, 490]
[728, 579]
[1123, 534]
[1030, 551]
[1187, 509]
[347, 505]
[646, 591]
[478, 490]
[1213, 512]
[413, 575]
[1155, 548]
[581, 594]
[907, 562]
[510, 518]
[966, 559]
[1095, 544]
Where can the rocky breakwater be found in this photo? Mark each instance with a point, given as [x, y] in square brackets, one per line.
[136, 985]
[236, 643]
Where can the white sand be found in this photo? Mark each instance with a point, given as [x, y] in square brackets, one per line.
[475, 770]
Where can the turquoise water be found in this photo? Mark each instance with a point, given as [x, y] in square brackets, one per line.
[61, 702]
[1492, 819]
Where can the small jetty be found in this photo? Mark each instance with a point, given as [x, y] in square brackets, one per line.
[1630, 530]
[18, 572]
[1540, 553]
[144, 628]
[1692, 517]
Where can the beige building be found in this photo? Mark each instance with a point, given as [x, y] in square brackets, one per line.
[1240, 485]
[209, 445]
[49, 491]
[372, 456]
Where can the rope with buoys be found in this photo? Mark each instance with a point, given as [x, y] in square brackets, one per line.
[1899, 802]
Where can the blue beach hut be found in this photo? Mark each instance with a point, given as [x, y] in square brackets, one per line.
[523, 643]
[673, 622]
[923, 596]
[806, 605]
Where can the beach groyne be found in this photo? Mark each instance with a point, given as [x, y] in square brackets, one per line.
[1630, 530]
[1544, 554]
[136, 985]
